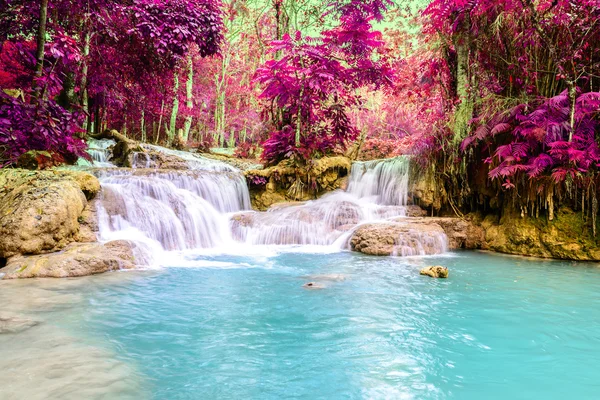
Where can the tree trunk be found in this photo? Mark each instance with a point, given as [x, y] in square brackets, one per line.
[464, 111]
[573, 101]
[41, 39]
[84, 79]
[162, 109]
[143, 126]
[175, 110]
[189, 86]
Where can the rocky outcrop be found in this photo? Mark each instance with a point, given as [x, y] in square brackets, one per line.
[423, 234]
[423, 190]
[286, 182]
[436, 271]
[40, 210]
[78, 259]
[399, 238]
[463, 233]
[566, 237]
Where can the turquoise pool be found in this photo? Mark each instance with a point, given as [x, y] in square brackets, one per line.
[243, 327]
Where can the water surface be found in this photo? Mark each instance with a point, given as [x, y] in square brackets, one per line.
[242, 327]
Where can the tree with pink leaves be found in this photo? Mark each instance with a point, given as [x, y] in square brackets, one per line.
[308, 91]
[93, 57]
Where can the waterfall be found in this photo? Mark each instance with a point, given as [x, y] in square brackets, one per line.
[377, 190]
[382, 181]
[177, 209]
[192, 161]
[420, 243]
[99, 150]
[208, 205]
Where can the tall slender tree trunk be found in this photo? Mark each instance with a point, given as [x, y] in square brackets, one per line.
[464, 111]
[84, 79]
[573, 102]
[41, 44]
[189, 86]
[220, 90]
[143, 126]
[41, 38]
[162, 109]
[175, 109]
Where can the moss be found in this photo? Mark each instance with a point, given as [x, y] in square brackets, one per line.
[567, 236]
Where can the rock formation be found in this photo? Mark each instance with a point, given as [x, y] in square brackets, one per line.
[48, 226]
[399, 238]
[78, 259]
[285, 182]
[41, 210]
[436, 271]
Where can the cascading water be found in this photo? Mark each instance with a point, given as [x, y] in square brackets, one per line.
[384, 182]
[420, 243]
[377, 190]
[172, 210]
[209, 206]
[180, 210]
[99, 150]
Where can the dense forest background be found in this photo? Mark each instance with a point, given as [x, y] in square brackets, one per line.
[498, 101]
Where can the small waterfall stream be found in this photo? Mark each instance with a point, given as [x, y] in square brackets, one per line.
[99, 150]
[209, 206]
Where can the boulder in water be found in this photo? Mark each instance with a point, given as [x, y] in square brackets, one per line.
[78, 259]
[435, 271]
[399, 238]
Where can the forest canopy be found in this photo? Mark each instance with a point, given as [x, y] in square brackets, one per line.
[496, 98]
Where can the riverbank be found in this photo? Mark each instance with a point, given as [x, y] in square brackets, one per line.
[174, 200]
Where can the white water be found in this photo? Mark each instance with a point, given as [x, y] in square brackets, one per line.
[99, 150]
[381, 181]
[208, 207]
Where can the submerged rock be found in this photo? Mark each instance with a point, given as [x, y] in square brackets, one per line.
[79, 259]
[313, 286]
[435, 271]
[328, 277]
[40, 210]
[15, 324]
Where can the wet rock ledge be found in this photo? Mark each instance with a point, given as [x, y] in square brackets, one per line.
[48, 225]
[428, 234]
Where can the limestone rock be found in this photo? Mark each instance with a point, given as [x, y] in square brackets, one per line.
[566, 237]
[78, 259]
[400, 238]
[40, 210]
[462, 233]
[436, 271]
[415, 211]
[286, 182]
[425, 192]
